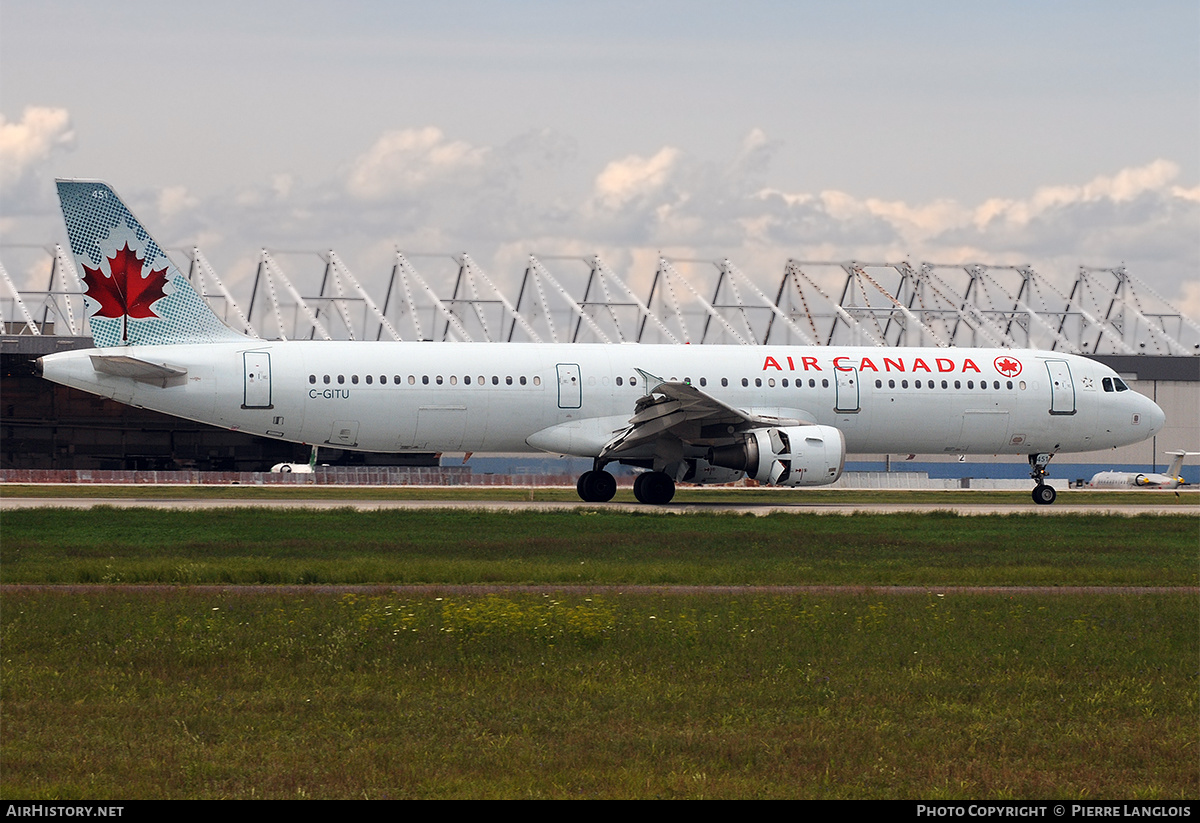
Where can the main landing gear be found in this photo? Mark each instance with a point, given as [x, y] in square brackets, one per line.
[596, 486]
[652, 488]
[1043, 493]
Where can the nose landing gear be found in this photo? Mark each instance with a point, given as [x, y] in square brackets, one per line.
[1043, 493]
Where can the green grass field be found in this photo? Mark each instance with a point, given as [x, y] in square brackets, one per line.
[589, 546]
[123, 692]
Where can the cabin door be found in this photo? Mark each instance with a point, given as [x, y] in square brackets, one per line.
[1062, 388]
[257, 386]
[847, 390]
[570, 390]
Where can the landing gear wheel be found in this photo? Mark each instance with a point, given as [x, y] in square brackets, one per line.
[596, 486]
[654, 488]
[1044, 495]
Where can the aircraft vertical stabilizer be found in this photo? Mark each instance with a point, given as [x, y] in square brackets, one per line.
[135, 295]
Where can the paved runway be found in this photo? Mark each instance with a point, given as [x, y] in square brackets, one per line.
[1167, 505]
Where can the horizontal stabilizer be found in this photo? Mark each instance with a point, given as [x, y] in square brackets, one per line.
[158, 374]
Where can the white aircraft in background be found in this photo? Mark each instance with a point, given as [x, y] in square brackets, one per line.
[783, 415]
[1149, 480]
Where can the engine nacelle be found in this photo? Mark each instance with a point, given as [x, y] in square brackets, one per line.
[701, 472]
[787, 455]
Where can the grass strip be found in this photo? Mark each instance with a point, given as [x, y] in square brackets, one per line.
[180, 694]
[581, 546]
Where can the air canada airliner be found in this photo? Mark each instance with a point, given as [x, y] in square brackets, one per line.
[782, 415]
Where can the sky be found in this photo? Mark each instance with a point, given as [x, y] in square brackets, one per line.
[1054, 134]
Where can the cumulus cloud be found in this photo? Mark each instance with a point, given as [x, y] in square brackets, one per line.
[428, 192]
[1122, 187]
[635, 176]
[174, 200]
[412, 160]
[1129, 213]
[27, 145]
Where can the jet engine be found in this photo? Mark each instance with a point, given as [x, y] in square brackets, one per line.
[701, 472]
[786, 456]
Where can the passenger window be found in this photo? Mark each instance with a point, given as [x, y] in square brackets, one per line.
[425, 379]
[341, 378]
[537, 381]
[439, 380]
[724, 381]
[354, 379]
[369, 380]
[326, 379]
[508, 380]
[879, 384]
[745, 382]
[523, 380]
[619, 381]
[312, 378]
[495, 380]
[454, 380]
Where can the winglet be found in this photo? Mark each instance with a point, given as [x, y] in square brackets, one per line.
[651, 381]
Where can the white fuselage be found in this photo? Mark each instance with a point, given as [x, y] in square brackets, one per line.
[571, 398]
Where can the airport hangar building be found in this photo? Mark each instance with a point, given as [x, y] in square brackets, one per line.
[1105, 316]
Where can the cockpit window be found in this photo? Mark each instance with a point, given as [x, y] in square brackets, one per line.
[1107, 384]
[1120, 384]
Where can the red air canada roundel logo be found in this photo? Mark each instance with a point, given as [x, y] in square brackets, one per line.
[1007, 366]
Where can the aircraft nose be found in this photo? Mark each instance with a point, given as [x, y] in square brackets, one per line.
[1155, 417]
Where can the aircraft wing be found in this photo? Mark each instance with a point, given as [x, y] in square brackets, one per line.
[680, 411]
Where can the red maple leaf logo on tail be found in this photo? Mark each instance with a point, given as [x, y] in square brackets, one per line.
[127, 293]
